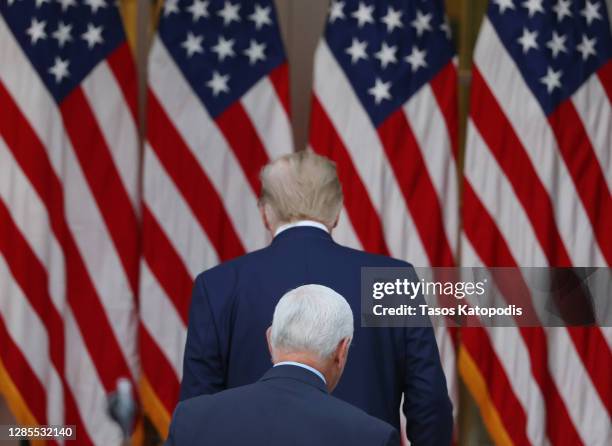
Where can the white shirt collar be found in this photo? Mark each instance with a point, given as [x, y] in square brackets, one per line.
[304, 366]
[295, 224]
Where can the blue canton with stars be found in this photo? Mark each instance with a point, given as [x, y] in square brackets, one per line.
[388, 49]
[64, 39]
[222, 47]
[556, 44]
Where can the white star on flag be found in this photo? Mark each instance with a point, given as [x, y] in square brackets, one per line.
[562, 9]
[198, 9]
[224, 48]
[336, 11]
[393, 19]
[229, 13]
[380, 91]
[59, 69]
[261, 16]
[533, 6]
[39, 3]
[255, 52]
[93, 35]
[193, 44]
[587, 47]
[363, 14]
[386, 55]
[416, 59]
[67, 4]
[218, 83]
[357, 50]
[591, 12]
[557, 44]
[36, 31]
[552, 79]
[95, 5]
[170, 6]
[445, 27]
[421, 23]
[62, 34]
[503, 5]
[528, 40]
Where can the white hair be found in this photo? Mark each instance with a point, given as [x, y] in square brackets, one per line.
[311, 318]
[301, 185]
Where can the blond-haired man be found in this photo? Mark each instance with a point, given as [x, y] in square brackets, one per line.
[233, 304]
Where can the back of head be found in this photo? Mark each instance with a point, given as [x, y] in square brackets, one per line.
[301, 186]
[311, 319]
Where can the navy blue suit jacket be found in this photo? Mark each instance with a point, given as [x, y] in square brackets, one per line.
[288, 406]
[232, 306]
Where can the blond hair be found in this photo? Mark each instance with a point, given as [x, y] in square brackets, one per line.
[301, 186]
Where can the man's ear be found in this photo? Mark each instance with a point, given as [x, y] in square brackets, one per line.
[264, 216]
[342, 351]
[268, 337]
[336, 221]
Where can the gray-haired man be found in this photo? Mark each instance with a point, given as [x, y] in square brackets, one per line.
[291, 405]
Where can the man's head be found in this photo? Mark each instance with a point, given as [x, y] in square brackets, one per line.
[300, 186]
[313, 325]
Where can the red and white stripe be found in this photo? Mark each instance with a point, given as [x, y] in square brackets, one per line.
[69, 254]
[382, 213]
[525, 205]
[199, 203]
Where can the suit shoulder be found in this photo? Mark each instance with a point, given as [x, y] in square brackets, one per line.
[375, 260]
[213, 401]
[193, 404]
[369, 426]
[184, 410]
[230, 268]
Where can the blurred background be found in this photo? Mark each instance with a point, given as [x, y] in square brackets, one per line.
[301, 24]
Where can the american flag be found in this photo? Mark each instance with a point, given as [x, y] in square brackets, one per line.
[68, 212]
[384, 108]
[217, 112]
[538, 176]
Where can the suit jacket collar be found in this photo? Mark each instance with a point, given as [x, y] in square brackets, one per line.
[295, 373]
[301, 232]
